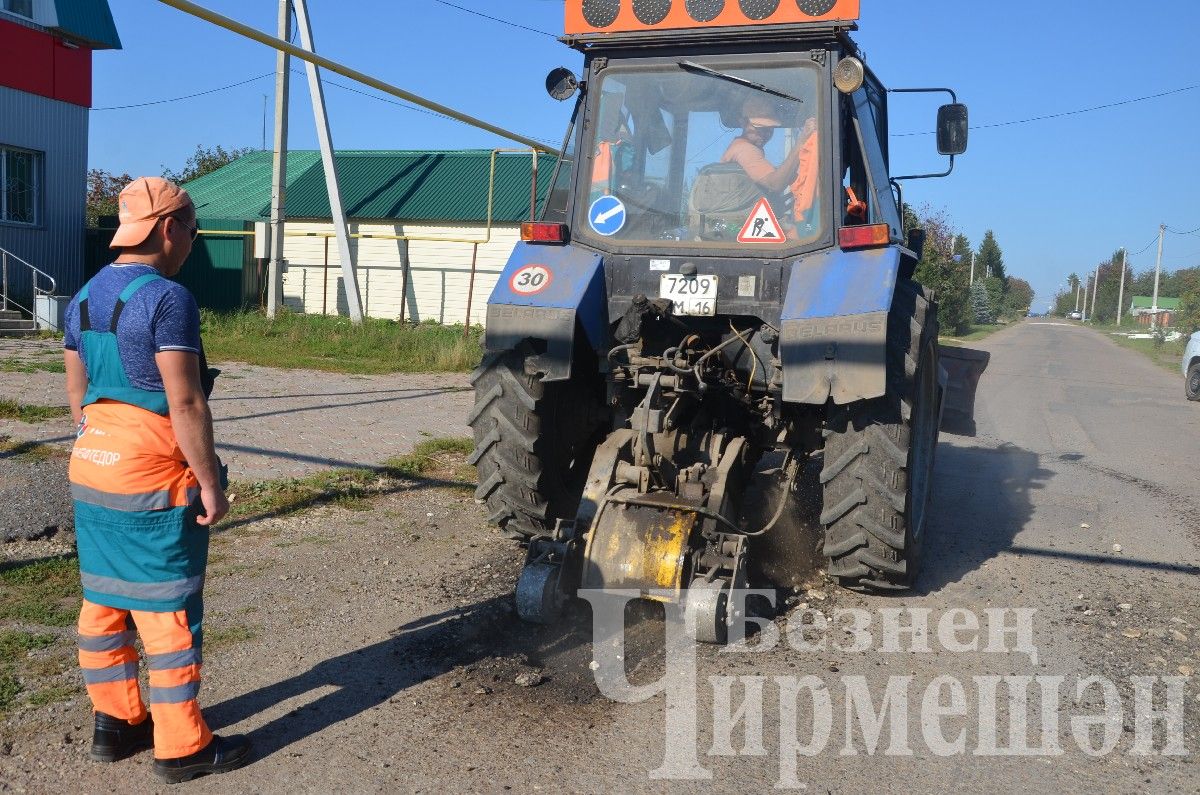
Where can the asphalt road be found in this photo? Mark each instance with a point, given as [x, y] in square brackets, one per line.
[1083, 449]
[380, 664]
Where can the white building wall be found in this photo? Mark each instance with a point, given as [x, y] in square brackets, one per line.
[439, 269]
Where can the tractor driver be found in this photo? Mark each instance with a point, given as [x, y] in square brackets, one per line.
[795, 177]
[759, 122]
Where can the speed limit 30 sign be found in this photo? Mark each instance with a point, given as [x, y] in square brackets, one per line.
[530, 279]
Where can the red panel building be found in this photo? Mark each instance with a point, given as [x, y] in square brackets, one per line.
[46, 51]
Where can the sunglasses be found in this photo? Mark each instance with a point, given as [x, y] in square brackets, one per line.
[193, 231]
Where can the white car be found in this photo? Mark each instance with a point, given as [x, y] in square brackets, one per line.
[1191, 367]
[1076, 315]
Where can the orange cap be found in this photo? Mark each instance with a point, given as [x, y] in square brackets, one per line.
[142, 203]
[761, 112]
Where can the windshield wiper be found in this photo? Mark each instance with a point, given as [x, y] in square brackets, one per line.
[692, 66]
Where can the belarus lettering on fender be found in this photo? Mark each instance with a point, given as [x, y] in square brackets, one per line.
[103, 458]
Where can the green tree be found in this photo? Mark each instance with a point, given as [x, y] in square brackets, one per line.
[962, 247]
[103, 188]
[1187, 281]
[940, 271]
[205, 160]
[981, 303]
[1018, 299]
[995, 288]
[991, 259]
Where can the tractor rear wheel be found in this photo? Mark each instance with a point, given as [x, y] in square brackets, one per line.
[878, 458]
[533, 443]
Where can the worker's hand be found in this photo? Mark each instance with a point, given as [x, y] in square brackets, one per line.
[215, 506]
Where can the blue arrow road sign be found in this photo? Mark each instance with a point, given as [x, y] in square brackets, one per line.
[607, 215]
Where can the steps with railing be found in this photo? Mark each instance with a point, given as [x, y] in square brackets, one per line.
[16, 317]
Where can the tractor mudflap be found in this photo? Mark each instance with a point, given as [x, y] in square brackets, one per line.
[962, 368]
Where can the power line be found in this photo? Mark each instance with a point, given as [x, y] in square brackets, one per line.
[1191, 232]
[187, 96]
[399, 104]
[495, 19]
[1153, 240]
[1064, 113]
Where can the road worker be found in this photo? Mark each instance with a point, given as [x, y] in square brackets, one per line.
[147, 486]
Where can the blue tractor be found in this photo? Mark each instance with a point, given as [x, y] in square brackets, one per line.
[720, 273]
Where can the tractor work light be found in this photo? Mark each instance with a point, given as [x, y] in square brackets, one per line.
[871, 236]
[849, 75]
[537, 232]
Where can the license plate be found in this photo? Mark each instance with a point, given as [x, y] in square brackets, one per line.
[694, 295]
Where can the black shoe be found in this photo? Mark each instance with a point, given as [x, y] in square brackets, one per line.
[116, 739]
[220, 756]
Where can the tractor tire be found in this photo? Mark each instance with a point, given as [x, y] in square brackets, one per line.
[878, 458]
[533, 443]
[1192, 384]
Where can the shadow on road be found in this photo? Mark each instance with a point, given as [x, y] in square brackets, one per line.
[981, 500]
[484, 643]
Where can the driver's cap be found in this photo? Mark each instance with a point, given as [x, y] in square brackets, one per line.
[761, 112]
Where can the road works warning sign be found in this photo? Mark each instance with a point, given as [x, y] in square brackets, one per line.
[761, 226]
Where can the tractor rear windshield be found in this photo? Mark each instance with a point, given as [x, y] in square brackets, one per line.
[712, 153]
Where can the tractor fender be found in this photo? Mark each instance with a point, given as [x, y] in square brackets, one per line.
[544, 294]
[833, 331]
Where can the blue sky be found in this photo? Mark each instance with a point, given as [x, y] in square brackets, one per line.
[1061, 194]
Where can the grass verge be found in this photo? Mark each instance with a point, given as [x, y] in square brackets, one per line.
[350, 488]
[976, 333]
[15, 646]
[31, 366]
[44, 592]
[334, 344]
[217, 637]
[25, 412]
[30, 451]
[1167, 354]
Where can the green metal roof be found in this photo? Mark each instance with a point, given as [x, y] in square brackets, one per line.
[89, 21]
[378, 185]
[1147, 302]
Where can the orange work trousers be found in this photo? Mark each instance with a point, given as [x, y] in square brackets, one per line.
[110, 670]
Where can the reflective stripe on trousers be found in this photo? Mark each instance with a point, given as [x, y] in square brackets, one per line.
[110, 670]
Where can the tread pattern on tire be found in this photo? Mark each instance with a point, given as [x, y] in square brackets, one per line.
[865, 470]
[1189, 393]
[523, 463]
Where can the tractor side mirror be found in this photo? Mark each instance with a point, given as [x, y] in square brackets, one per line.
[561, 84]
[916, 243]
[952, 129]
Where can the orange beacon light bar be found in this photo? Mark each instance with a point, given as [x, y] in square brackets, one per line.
[618, 16]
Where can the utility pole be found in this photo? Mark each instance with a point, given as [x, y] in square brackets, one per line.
[279, 165]
[325, 137]
[1162, 228]
[1095, 289]
[1121, 289]
[1087, 285]
[972, 268]
[1078, 284]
